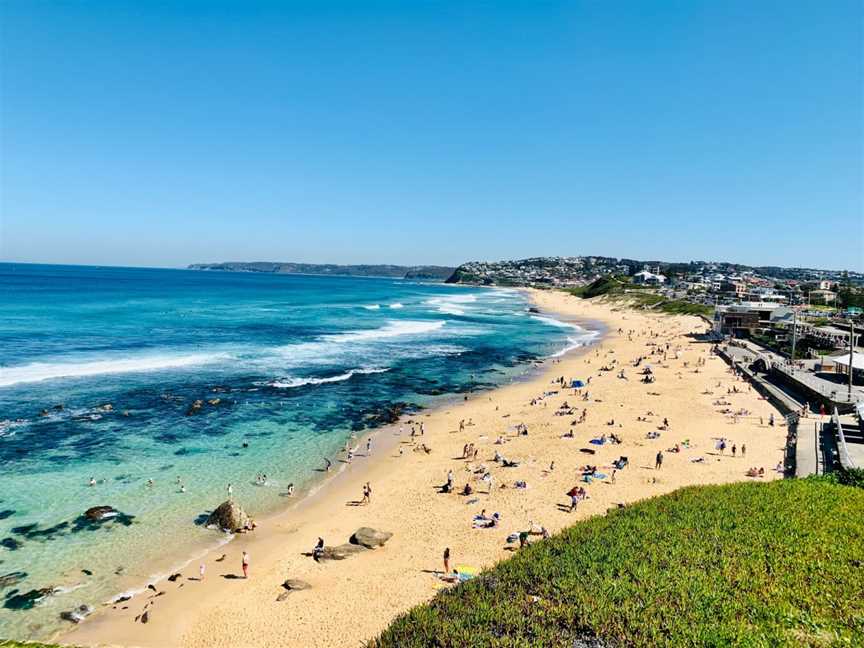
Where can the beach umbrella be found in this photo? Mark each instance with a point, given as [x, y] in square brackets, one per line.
[577, 383]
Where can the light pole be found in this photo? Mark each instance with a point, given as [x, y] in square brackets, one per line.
[851, 353]
[794, 335]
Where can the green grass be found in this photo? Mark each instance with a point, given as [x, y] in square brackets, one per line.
[17, 644]
[601, 286]
[681, 307]
[773, 564]
[621, 290]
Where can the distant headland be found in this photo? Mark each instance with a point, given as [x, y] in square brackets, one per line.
[429, 273]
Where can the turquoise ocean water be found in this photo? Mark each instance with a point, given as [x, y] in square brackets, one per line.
[99, 368]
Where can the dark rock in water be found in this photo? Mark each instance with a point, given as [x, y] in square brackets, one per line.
[229, 516]
[12, 578]
[392, 412]
[99, 513]
[98, 516]
[340, 552]
[58, 408]
[10, 543]
[6, 513]
[87, 572]
[292, 584]
[33, 532]
[195, 407]
[370, 538]
[27, 600]
[78, 614]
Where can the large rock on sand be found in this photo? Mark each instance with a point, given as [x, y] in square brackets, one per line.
[340, 552]
[229, 516]
[370, 538]
[100, 513]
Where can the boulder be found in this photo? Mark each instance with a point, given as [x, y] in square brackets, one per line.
[340, 552]
[99, 513]
[292, 584]
[78, 614]
[229, 516]
[370, 538]
[28, 600]
[12, 578]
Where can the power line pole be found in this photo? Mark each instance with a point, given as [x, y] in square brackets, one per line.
[851, 353]
[794, 334]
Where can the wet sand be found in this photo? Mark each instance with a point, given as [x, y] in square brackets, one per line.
[352, 600]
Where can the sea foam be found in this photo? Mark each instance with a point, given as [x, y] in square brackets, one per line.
[393, 328]
[300, 382]
[39, 371]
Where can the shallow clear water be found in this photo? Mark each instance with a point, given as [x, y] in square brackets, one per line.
[297, 363]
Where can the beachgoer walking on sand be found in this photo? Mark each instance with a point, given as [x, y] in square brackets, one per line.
[368, 446]
[734, 450]
[658, 462]
[245, 564]
[573, 493]
[447, 560]
[201, 569]
[327, 464]
[365, 499]
[743, 450]
[318, 550]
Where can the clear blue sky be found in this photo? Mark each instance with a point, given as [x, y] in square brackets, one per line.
[162, 134]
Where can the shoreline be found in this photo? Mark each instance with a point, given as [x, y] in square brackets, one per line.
[184, 618]
[385, 439]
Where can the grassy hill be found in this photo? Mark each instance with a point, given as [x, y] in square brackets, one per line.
[619, 289]
[773, 564]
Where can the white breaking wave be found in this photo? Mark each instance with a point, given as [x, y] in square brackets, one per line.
[299, 382]
[554, 322]
[39, 371]
[397, 305]
[372, 306]
[575, 343]
[393, 328]
[451, 304]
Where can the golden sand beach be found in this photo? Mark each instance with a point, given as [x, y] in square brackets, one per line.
[352, 600]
